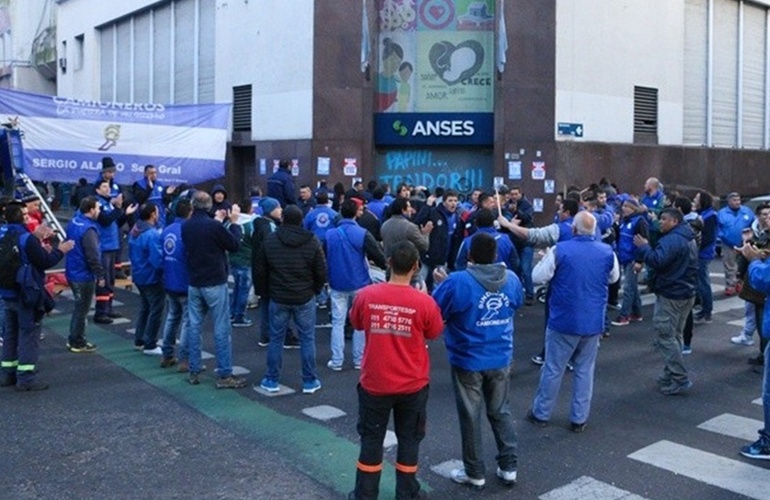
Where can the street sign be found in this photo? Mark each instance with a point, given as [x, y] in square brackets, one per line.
[573, 129]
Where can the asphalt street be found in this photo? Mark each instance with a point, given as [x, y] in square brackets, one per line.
[116, 425]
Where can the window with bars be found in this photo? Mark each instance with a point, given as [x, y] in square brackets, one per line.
[645, 115]
[242, 108]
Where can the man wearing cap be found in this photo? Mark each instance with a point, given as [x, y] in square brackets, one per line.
[265, 224]
[733, 219]
[108, 174]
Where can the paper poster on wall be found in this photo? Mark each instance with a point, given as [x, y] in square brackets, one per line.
[295, 167]
[351, 168]
[322, 168]
[514, 170]
[275, 165]
[356, 180]
[538, 170]
[537, 205]
[549, 186]
[262, 166]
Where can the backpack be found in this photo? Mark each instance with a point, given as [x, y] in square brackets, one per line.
[10, 259]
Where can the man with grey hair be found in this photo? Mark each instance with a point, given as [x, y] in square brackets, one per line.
[579, 271]
[732, 220]
[207, 242]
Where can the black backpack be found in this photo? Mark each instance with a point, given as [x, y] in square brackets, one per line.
[10, 259]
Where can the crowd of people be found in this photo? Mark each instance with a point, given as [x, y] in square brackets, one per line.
[400, 268]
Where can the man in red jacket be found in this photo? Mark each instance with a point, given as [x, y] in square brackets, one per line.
[397, 319]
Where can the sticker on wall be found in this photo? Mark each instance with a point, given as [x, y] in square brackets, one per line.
[549, 186]
[514, 170]
[538, 170]
[275, 165]
[351, 168]
[537, 205]
[323, 165]
[356, 180]
[262, 166]
[295, 167]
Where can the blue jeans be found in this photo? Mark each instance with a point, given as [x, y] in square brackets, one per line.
[341, 302]
[177, 322]
[632, 301]
[150, 314]
[704, 288]
[473, 392]
[765, 433]
[201, 301]
[304, 317]
[750, 322]
[240, 295]
[525, 270]
[559, 348]
[83, 294]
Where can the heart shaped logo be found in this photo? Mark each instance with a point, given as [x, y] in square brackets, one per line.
[455, 63]
[436, 11]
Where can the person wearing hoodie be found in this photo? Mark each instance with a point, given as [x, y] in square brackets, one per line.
[291, 271]
[478, 306]
[579, 271]
[145, 251]
[675, 262]
[219, 198]
[280, 185]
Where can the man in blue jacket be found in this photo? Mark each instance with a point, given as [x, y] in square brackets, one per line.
[207, 242]
[348, 249]
[675, 262]
[280, 185]
[146, 254]
[446, 237]
[83, 270]
[478, 306]
[759, 278]
[579, 271]
[148, 189]
[733, 219]
[485, 223]
[22, 332]
[176, 281]
[111, 217]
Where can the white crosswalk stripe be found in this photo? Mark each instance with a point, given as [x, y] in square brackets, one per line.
[588, 487]
[734, 426]
[725, 473]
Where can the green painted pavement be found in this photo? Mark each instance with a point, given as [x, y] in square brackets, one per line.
[317, 451]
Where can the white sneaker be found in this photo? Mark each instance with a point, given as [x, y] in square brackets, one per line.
[742, 339]
[507, 476]
[459, 476]
[153, 352]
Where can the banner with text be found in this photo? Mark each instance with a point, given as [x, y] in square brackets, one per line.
[65, 139]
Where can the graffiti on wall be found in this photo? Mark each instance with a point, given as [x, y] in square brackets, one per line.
[459, 170]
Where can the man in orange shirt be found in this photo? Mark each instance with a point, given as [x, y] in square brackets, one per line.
[397, 320]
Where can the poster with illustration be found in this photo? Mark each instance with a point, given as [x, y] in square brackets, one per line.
[436, 56]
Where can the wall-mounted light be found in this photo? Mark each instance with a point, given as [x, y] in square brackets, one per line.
[63, 64]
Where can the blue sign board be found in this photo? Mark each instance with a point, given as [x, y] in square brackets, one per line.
[573, 129]
[434, 129]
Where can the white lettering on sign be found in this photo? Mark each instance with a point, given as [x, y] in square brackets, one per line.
[444, 128]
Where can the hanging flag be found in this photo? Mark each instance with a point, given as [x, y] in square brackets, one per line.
[502, 39]
[364, 37]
